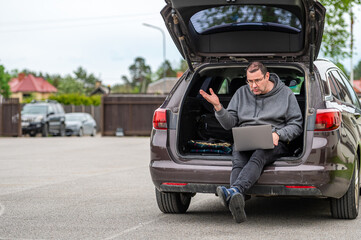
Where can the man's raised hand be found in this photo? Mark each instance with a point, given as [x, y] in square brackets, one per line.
[211, 98]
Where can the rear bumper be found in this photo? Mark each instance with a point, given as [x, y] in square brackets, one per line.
[322, 170]
[302, 180]
[259, 190]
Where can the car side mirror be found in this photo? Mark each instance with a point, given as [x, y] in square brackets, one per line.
[51, 113]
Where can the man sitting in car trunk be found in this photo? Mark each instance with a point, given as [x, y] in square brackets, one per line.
[266, 100]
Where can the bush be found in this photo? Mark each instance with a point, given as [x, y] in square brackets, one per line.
[76, 99]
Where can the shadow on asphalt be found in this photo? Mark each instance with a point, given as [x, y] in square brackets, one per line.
[270, 210]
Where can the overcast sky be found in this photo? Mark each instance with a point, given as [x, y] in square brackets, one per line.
[102, 36]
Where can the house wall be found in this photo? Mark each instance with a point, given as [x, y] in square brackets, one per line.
[17, 95]
[37, 96]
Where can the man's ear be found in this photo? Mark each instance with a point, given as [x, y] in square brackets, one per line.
[266, 76]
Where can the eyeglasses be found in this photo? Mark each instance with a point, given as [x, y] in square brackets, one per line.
[257, 81]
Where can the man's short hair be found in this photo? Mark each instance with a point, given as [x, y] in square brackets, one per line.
[255, 66]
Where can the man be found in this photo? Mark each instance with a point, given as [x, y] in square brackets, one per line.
[266, 100]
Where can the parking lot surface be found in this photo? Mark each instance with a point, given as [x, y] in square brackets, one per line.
[100, 188]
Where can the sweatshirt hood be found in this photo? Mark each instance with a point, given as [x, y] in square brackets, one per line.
[278, 84]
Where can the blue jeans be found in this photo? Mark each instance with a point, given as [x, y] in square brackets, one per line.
[248, 165]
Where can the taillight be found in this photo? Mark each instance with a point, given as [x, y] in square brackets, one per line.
[327, 119]
[160, 119]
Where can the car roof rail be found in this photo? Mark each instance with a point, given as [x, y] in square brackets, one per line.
[44, 101]
[51, 101]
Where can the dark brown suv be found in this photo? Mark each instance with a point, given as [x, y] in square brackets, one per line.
[218, 39]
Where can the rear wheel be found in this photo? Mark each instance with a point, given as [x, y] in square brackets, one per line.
[94, 132]
[347, 206]
[45, 130]
[173, 202]
[62, 130]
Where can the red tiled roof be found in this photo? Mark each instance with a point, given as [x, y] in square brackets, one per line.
[30, 83]
[357, 86]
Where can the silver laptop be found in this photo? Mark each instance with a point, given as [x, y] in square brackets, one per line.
[252, 137]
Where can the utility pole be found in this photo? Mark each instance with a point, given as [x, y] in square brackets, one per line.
[164, 65]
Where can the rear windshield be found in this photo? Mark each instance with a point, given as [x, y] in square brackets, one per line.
[235, 17]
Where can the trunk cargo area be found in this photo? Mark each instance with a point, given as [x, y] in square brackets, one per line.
[198, 128]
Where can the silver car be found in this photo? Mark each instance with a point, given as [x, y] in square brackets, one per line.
[80, 124]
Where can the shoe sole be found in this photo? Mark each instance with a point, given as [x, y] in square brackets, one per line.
[236, 206]
[221, 195]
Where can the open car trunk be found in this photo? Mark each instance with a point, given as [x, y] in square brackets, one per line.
[197, 122]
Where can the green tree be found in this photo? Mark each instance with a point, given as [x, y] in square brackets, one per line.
[337, 40]
[140, 75]
[4, 80]
[182, 67]
[54, 79]
[76, 99]
[169, 72]
[88, 80]
[357, 71]
[121, 88]
[70, 85]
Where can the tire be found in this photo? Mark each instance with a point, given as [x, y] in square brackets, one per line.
[62, 130]
[347, 207]
[173, 202]
[45, 130]
[81, 132]
[94, 132]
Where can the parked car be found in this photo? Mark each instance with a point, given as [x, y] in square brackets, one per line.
[45, 117]
[218, 39]
[80, 124]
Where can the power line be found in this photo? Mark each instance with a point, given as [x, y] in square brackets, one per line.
[46, 21]
[69, 23]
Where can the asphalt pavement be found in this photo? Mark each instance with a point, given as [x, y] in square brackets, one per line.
[100, 188]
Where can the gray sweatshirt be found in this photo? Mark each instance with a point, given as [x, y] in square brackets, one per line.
[278, 107]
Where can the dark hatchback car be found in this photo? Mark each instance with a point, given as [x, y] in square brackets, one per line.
[45, 117]
[218, 39]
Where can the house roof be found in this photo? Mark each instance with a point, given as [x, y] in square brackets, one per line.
[357, 86]
[100, 90]
[30, 83]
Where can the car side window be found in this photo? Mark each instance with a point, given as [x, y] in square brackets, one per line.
[59, 109]
[334, 87]
[224, 87]
[352, 93]
[56, 111]
[51, 109]
[343, 89]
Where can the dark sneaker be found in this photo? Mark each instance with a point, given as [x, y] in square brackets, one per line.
[236, 206]
[225, 194]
